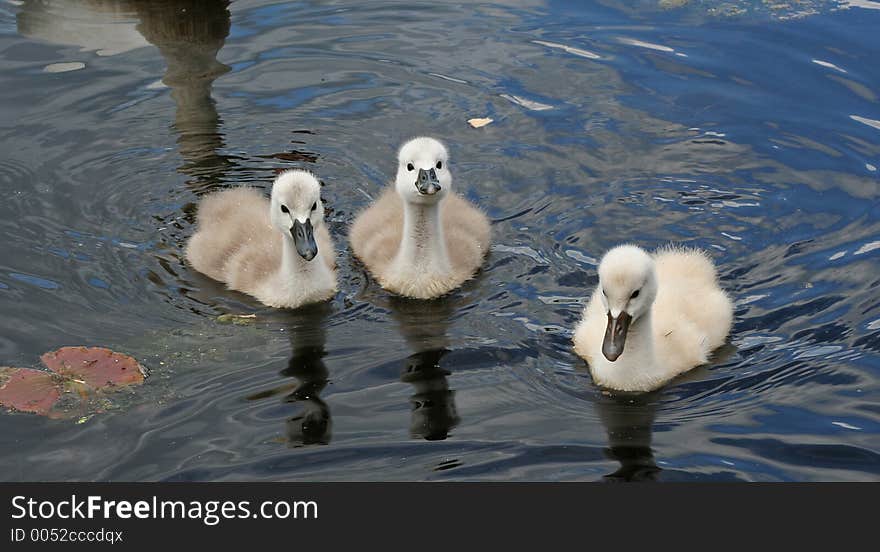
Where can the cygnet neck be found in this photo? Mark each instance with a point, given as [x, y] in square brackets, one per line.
[423, 245]
[293, 266]
[640, 341]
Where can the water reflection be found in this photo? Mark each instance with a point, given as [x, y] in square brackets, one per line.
[629, 422]
[310, 423]
[189, 34]
[424, 325]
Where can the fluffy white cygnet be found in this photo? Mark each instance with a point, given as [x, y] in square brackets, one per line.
[420, 239]
[652, 317]
[277, 250]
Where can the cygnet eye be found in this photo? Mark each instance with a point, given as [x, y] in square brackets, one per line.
[314, 205]
[284, 209]
[439, 164]
[409, 167]
[635, 294]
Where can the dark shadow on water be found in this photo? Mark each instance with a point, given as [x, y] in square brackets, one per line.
[629, 419]
[310, 422]
[424, 326]
[433, 404]
[629, 423]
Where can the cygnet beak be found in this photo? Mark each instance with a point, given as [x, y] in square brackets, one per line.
[304, 239]
[615, 335]
[427, 182]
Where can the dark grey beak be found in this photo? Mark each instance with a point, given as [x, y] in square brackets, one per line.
[615, 335]
[304, 239]
[427, 182]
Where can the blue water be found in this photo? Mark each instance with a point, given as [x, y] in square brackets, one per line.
[748, 129]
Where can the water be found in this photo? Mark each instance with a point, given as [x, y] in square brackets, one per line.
[748, 129]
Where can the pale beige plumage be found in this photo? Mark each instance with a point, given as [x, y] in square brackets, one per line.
[443, 255]
[244, 240]
[679, 317]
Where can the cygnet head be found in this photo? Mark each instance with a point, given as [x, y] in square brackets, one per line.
[628, 286]
[423, 173]
[297, 209]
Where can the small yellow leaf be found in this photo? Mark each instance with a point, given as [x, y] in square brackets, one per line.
[478, 123]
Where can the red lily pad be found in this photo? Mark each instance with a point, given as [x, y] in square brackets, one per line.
[97, 367]
[29, 390]
[77, 376]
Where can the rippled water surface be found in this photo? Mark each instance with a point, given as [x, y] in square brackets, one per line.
[750, 129]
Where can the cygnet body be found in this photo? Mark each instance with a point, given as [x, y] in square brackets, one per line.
[420, 239]
[652, 317]
[278, 250]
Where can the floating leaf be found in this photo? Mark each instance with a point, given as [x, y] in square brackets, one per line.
[238, 319]
[479, 123]
[96, 367]
[29, 390]
[77, 373]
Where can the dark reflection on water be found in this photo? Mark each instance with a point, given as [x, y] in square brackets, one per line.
[629, 422]
[311, 423]
[424, 327]
[730, 127]
[188, 35]
[433, 404]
